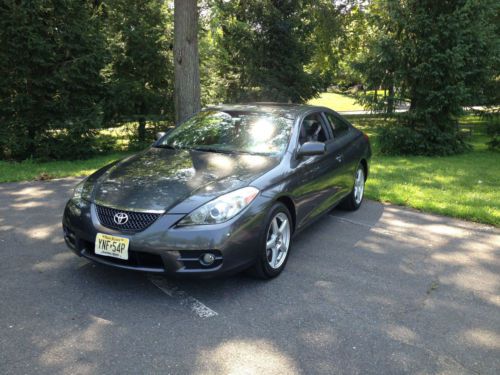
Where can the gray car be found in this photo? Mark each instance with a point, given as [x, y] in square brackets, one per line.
[223, 192]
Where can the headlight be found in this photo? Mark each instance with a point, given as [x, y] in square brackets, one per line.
[221, 209]
[82, 191]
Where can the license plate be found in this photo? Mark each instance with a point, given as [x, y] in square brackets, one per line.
[111, 246]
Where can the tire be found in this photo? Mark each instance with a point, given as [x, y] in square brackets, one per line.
[275, 243]
[353, 201]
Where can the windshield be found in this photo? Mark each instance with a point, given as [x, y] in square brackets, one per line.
[238, 132]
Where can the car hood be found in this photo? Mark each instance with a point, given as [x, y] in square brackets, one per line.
[176, 180]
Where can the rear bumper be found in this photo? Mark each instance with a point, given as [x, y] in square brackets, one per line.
[165, 248]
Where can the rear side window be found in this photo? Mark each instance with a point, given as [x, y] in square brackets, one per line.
[339, 126]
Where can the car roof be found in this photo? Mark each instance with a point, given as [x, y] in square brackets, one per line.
[290, 109]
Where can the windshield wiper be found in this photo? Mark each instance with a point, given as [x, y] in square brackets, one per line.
[166, 146]
[222, 151]
[212, 149]
[257, 153]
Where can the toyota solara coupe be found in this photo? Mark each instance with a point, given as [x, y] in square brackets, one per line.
[223, 192]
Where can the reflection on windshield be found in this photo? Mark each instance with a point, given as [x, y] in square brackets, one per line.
[228, 132]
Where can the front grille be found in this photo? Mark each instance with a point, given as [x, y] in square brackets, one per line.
[137, 221]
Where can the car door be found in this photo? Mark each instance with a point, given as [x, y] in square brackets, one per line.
[313, 185]
[344, 152]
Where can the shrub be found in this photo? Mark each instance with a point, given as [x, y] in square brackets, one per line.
[493, 130]
[397, 139]
[66, 144]
[440, 55]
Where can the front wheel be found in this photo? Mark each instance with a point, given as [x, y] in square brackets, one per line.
[353, 201]
[275, 243]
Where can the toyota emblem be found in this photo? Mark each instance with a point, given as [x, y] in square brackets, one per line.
[120, 218]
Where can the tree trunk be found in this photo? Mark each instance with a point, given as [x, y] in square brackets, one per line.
[390, 100]
[186, 60]
[141, 130]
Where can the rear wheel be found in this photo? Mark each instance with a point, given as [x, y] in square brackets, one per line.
[353, 201]
[275, 243]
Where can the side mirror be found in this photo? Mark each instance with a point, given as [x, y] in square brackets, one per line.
[160, 135]
[311, 148]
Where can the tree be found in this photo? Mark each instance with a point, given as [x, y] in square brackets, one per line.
[352, 43]
[51, 53]
[265, 49]
[139, 75]
[186, 60]
[445, 51]
[377, 66]
[325, 39]
[339, 33]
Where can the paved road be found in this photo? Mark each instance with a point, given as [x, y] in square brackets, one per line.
[384, 290]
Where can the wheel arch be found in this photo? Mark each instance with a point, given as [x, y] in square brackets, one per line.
[364, 164]
[288, 202]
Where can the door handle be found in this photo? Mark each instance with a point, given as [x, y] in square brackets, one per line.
[339, 158]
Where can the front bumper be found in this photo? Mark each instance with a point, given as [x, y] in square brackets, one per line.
[165, 248]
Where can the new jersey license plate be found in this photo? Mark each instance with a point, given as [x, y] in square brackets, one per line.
[111, 246]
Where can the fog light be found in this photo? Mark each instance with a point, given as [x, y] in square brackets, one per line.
[208, 259]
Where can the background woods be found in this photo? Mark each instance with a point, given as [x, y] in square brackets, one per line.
[69, 70]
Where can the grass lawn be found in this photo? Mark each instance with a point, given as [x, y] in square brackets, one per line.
[465, 186]
[29, 170]
[337, 102]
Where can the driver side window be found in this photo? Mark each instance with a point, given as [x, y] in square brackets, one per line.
[312, 129]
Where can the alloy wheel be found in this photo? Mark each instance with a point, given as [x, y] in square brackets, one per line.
[278, 240]
[359, 185]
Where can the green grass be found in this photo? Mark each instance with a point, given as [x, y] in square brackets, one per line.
[118, 136]
[337, 102]
[464, 186]
[30, 170]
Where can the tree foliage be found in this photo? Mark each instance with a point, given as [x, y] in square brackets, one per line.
[440, 55]
[266, 50]
[51, 52]
[67, 67]
[138, 76]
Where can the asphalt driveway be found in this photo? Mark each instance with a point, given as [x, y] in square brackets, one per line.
[383, 290]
